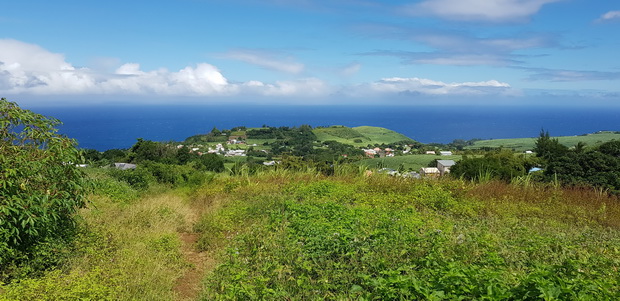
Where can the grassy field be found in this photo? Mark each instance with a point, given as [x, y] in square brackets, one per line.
[523, 144]
[129, 248]
[367, 134]
[298, 235]
[409, 162]
[305, 237]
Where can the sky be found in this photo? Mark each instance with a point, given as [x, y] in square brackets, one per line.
[517, 52]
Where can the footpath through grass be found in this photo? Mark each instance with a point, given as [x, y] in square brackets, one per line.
[285, 235]
[301, 236]
[129, 248]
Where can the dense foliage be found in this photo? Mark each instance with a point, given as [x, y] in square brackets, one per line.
[502, 165]
[297, 236]
[581, 166]
[40, 188]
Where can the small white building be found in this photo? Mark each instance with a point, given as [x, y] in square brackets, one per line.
[235, 153]
[445, 153]
[444, 166]
[125, 166]
[429, 171]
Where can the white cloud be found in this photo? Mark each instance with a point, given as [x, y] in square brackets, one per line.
[29, 69]
[565, 75]
[310, 87]
[432, 87]
[479, 10]
[268, 60]
[609, 16]
[351, 69]
[461, 48]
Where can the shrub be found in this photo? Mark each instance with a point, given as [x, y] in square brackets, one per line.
[139, 178]
[40, 187]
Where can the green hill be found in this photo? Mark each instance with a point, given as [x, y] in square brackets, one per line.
[523, 144]
[359, 136]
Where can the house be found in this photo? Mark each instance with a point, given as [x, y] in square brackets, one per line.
[529, 152]
[370, 153]
[429, 172]
[125, 166]
[235, 153]
[444, 166]
[445, 153]
[430, 152]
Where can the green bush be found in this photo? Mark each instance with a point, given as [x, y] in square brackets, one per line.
[114, 189]
[139, 178]
[40, 187]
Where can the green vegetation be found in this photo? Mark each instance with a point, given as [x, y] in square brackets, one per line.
[302, 236]
[407, 162]
[581, 166]
[127, 247]
[181, 226]
[502, 165]
[40, 190]
[523, 144]
[361, 136]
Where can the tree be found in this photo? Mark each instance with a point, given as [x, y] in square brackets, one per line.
[503, 165]
[611, 148]
[40, 186]
[212, 162]
[215, 132]
[548, 148]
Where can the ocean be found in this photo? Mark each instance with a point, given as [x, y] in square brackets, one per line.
[107, 127]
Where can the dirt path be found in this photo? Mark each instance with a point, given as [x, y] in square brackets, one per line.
[189, 286]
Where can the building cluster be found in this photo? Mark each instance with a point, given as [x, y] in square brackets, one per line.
[381, 153]
[220, 149]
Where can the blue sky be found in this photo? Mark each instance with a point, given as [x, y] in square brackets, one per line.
[554, 52]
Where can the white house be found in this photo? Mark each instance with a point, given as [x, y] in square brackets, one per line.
[429, 171]
[444, 166]
[445, 153]
[124, 166]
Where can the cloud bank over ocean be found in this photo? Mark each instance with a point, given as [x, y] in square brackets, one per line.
[30, 69]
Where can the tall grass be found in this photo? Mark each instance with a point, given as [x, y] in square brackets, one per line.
[127, 250]
[300, 236]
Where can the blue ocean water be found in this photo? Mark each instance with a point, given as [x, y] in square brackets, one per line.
[106, 127]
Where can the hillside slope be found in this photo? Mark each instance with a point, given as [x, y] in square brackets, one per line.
[359, 136]
[522, 144]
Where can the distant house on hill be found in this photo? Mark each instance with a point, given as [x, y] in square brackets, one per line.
[444, 166]
[430, 152]
[445, 153]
